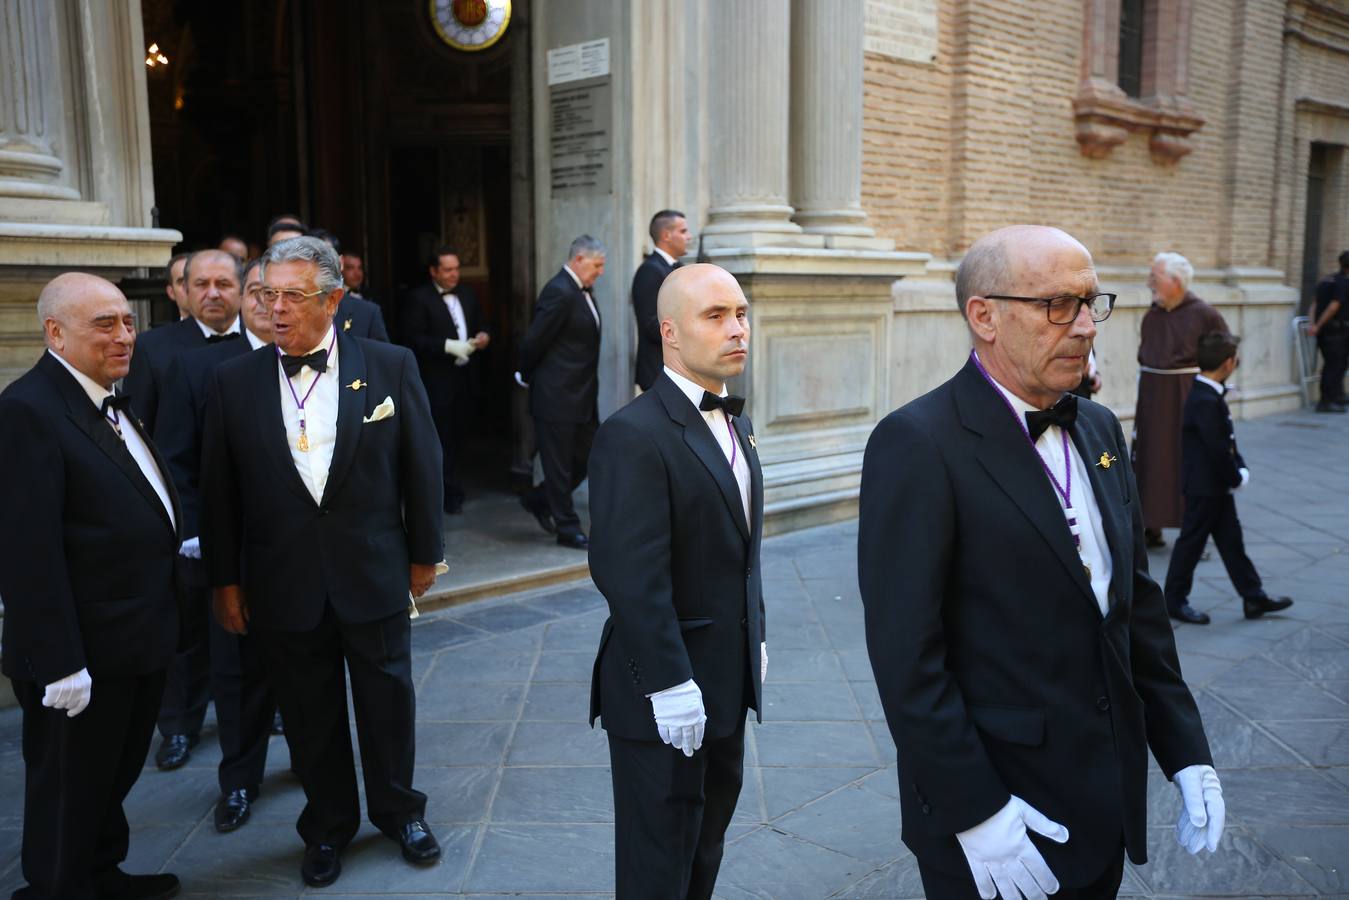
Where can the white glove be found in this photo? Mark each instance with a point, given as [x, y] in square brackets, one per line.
[71, 693]
[460, 349]
[1204, 813]
[1002, 858]
[520, 381]
[1245, 478]
[680, 718]
[763, 661]
[191, 548]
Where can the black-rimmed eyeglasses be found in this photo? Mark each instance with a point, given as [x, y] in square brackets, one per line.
[1064, 309]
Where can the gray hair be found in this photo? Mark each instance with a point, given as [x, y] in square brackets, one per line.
[1176, 266]
[983, 271]
[585, 245]
[202, 254]
[312, 250]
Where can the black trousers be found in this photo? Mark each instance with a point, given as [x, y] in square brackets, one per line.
[564, 450]
[449, 409]
[1206, 516]
[77, 774]
[307, 672]
[244, 708]
[1334, 344]
[187, 689]
[941, 886]
[670, 814]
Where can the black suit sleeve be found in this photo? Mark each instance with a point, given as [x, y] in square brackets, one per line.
[1215, 435]
[177, 435]
[39, 603]
[419, 469]
[378, 331]
[906, 550]
[418, 330]
[630, 553]
[550, 315]
[221, 516]
[1174, 730]
[645, 288]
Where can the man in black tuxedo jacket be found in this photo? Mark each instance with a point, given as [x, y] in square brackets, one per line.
[669, 240]
[244, 705]
[88, 542]
[361, 318]
[213, 279]
[442, 323]
[1211, 471]
[676, 503]
[1022, 652]
[320, 514]
[559, 363]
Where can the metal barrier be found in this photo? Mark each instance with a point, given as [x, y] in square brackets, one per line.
[1304, 357]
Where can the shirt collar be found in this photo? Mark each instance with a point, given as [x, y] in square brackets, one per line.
[669, 260]
[325, 344]
[574, 277]
[691, 390]
[208, 332]
[441, 291]
[253, 340]
[97, 392]
[1021, 406]
[1217, 386]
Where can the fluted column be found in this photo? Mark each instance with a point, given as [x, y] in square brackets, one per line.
[31, 113]
[748, 93]
[826, 117]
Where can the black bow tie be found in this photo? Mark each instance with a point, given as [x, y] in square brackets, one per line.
[217, 338]
[120, 402]
[730, 404]
[318, 361]
[448, 294]
[1062, 414]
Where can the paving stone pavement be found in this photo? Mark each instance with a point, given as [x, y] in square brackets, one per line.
[519, 785]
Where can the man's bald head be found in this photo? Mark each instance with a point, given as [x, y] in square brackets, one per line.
[704, 324]
[87, 322]
[999, 260]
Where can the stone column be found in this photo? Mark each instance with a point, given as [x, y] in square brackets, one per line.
[826, 121]
[31, 110]
[748, 139]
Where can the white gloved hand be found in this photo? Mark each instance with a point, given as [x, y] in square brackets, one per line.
[763, 661]
[680, 718]
[1245, 478]
[1203, 812]
[460, 349]
[71, 693]
[1003, 860]
[191, 548]
[520, 381]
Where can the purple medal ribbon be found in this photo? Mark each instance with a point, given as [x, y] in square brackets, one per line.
[730, 431]
[300, 401]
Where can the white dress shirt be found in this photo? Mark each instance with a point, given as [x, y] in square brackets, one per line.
[135, 444]
[720, 426]
[254, 342]
[1094, 550]
[320, 414]
[669, 260]
[208, 332]
[456, 310]
[585, 291]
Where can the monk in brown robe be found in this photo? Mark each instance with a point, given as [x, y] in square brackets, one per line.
[1167, 365]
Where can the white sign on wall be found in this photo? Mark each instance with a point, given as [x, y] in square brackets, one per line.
[576, 62]
[902, 29]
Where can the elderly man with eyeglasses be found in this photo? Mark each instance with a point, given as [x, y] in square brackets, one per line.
[1021, 650]
[321, 498]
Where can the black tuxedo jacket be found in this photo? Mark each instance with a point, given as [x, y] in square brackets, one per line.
[87, 550]
[1210, 463]
[426, 324]
[560, 355]
[182, 418]
[645, 286]
[156, 349]
[672, 553]
[362, 318]
[381, 509]
[996, 669]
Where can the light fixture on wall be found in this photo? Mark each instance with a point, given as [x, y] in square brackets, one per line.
[155, 57]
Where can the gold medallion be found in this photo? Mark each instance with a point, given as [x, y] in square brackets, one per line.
[358, 384]
[346, 326]
[303, 443]
[1105, 460]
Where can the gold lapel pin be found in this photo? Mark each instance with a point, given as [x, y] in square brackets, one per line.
[753, 444]
[1105, 460]
[346, 326]
[358, 384]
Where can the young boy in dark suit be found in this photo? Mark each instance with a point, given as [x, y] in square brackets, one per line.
[1211, 469]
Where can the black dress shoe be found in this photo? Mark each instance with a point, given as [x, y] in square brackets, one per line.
[577, 541]
[120, 886]
[1255, 607]
[454, 509]
[1152, 538]
[541, 515]
[321, 865]
[175, 750]
[1187, 613]
[232, 809]
[418, 843]
[1330, 408]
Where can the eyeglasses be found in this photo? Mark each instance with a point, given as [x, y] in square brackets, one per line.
[290, 295]
[1064, 309]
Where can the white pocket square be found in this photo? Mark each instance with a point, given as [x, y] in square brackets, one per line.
[383, 411]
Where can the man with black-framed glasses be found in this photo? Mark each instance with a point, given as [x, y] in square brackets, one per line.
[1016, 636]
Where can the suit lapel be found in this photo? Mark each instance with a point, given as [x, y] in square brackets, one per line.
[699, 439]
[1090, 445]
[266, 379]
[742, 431]
[350, 410]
